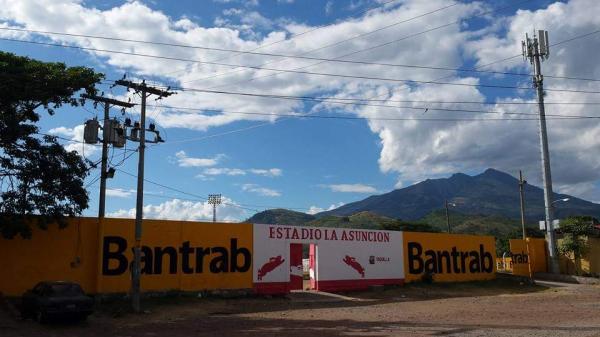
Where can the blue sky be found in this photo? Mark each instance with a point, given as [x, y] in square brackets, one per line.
[259, 161]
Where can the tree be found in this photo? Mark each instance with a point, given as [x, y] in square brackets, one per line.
[574, 230]
[405, 226]
[37, 175]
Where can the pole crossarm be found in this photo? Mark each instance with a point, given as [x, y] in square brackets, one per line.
[107, 100]
[142, 87]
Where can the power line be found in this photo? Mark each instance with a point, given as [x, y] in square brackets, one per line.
[64, 138]
[517, 55]
[183, 192]
[125, 158]
[181, 45]
[405, 119]
[76, 141]
[293, 36]
[420, 109]
[272, 69]
[349, 117]
[374, 47]
[335, 43]
[409, 81]
[286, 56]
[485, 65]
[92, 182]
[199, 198]
[333, 100]
[411, 101]
[297, 71]
[478, 67]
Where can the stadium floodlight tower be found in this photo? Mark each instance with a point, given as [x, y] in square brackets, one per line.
[214, 200]
[534, 49]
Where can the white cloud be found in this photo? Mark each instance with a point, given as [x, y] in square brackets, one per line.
[216, 171]
[223, 171]
[329, 7]
[204, 177]
[76, 143]
[119, 193]
[246, 3]
[177, 209]
[262, 191]
[184, 161]
[250, 23]
[63, 131]
[315, 209]
[351, 188]
[273, 172]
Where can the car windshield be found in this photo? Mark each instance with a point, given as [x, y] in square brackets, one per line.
[66, 289]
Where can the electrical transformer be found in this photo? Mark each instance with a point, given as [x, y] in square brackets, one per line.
[114, 133]
[90, 131]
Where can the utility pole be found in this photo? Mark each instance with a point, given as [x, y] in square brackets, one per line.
[105, 142]
[144, 91]
[534, 49]
[447, 216]
[522, 199]
[214, 199]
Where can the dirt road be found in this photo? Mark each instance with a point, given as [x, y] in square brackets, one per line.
[499, 308]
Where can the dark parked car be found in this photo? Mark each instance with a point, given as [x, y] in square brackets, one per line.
[48, 300]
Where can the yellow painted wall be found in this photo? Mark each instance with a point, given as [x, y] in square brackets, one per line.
[536, 253]
[504, 264]
[159, 233]
[49, 255]
[588, 264]
[593, 255]
[434, 243]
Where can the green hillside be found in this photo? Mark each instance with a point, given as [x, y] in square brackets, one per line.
[471, 224]
[281, 216]
[364, 220]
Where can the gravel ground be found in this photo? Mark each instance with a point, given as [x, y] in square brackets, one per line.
[499, 308]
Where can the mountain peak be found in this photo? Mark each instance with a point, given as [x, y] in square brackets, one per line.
[496, 174]
[492, 171]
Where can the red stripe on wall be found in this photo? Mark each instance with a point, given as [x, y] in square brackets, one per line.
[272, 288]
[347, 285]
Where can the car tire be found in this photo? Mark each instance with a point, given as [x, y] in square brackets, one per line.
[41, 317]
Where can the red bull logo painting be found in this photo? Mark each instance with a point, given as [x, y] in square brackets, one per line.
[351, 261]
[268, 267]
